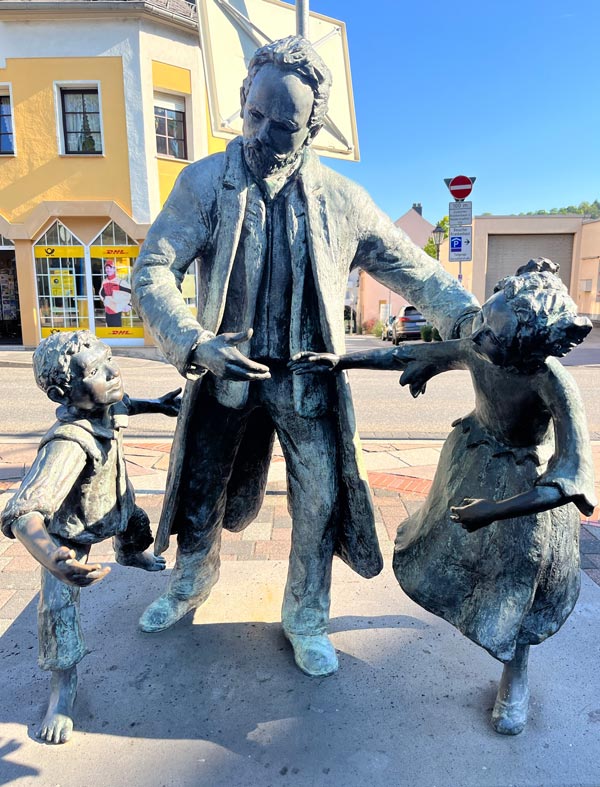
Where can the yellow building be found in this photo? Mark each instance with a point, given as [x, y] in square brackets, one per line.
[101, 106]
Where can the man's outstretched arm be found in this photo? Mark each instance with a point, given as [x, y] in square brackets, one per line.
[387, 253]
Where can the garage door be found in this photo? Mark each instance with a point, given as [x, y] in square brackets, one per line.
[506, 253]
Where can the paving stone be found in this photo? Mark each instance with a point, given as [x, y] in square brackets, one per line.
[227, 535]
[19, 601]
[244, 550]
[594, 574]
[5, 595]
[19, 563]
[282, 534]
[271, 550]
[257, 532]
[588, 547]
[14, 548]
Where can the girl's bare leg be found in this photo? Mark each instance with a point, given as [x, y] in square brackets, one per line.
[512, 701]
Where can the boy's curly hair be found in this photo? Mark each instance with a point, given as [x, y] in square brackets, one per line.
[52, 357]
[547, 315]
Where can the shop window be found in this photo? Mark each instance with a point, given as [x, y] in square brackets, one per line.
[81, 125]
[169, 125]
[7, 140]
[61, 281]
[113, 254]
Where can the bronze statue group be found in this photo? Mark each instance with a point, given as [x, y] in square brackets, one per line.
[274, 234]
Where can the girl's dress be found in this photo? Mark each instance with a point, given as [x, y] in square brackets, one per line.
[517, 580]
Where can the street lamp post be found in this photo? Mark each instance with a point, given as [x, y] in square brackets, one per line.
[438, 237]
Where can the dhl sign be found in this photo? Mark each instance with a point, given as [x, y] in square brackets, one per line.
[120, 333]
[114, 251]
[57, 251]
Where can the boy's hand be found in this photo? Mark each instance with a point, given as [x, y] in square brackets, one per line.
[170, 403]
[308, 362]
[65, 566]
[474, 514]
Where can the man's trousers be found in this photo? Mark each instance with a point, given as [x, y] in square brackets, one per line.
[309, 447]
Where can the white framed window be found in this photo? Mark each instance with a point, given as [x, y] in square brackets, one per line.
[79, 118]
[7, 129]
[170, 125]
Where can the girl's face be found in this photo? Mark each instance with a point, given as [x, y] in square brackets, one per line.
[495, 333]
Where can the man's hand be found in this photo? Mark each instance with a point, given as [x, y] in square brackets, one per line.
[221, 357]
[474, 514]
[170, 403]
[308, 362]
[64, 565]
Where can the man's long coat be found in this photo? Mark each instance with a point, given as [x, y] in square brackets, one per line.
[333, 226]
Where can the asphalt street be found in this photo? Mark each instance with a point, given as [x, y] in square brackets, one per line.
[383, 408]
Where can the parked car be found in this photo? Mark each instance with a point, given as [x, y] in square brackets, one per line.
[386, 333]
[407, 324]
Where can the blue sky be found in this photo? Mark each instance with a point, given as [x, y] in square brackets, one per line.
[503, 90]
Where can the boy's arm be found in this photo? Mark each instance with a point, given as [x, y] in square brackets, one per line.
[168, 404]
[54, 472]
[31, 531]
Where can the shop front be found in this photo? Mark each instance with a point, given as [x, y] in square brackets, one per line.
[81, 286]
[88, 286]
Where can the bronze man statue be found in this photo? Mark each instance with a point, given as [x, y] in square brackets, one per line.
[274, 235]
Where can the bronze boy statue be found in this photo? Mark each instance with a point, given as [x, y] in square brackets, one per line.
[76, 494]
[513, 473]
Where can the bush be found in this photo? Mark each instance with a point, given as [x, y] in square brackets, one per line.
[427, 333]
[378, 329]
[369, 326]
[436, 335]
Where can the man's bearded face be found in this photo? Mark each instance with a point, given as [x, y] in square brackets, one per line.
[276, 116]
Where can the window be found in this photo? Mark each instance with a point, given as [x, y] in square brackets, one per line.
[61, 281]
[81, 120]
[7, 145]
[169, 124]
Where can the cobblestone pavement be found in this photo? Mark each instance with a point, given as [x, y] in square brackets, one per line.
[400, 474]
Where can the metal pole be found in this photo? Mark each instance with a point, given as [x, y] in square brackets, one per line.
[302, 18]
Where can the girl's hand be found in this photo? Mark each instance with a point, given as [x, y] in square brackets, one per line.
[416, 375]
[308, 362]
[474, 514]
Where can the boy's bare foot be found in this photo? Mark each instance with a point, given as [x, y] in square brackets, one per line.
[57, 726]
[147, 560]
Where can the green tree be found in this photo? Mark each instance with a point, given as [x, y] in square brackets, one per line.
[430, 247]
[588, 209]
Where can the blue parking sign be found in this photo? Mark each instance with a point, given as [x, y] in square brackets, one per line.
[456, 243]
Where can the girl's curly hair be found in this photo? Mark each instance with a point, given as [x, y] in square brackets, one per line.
[546, 313]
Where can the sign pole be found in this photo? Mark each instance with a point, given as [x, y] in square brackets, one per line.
[302, 18]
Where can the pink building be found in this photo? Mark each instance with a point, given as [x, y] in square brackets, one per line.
[375, 301]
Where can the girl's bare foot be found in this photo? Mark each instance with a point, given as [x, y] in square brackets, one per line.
[57, 726]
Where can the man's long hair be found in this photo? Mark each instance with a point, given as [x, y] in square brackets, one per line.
[296, 55]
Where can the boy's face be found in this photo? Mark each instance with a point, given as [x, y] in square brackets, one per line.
[95, 378]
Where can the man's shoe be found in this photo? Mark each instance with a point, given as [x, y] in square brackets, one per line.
[164, 612]
[314, 654]
[510, 718]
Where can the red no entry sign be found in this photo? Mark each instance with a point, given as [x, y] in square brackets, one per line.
[460, 187]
